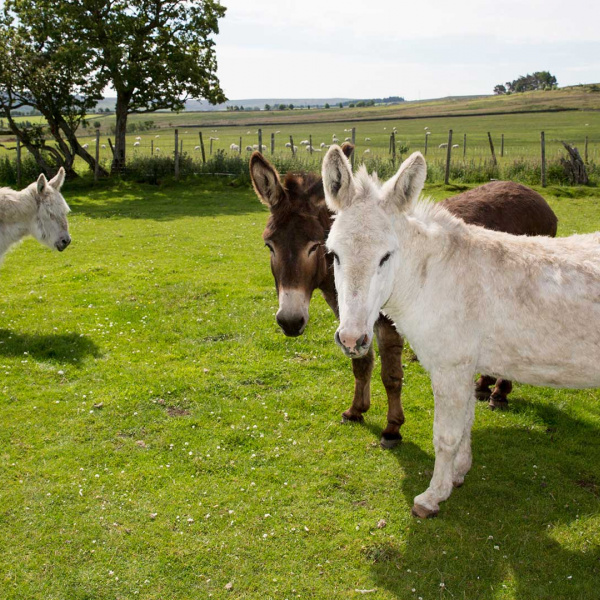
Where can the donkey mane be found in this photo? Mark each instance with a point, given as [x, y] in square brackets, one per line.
[304, 197]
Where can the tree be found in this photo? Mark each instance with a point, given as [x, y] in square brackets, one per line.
[540, 80]
[49, 73]
[499, 90]
[267, 107]
[326, 104]
[341, 105]
[291, 106]
[155, 54]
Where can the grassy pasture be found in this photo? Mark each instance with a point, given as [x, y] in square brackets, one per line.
[162, 439]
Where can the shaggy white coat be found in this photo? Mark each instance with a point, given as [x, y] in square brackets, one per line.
[38, 210]
[534, 318]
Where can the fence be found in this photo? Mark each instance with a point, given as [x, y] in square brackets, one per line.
[474, 157]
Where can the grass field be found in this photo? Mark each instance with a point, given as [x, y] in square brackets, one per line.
[521, 130]
[162, 439]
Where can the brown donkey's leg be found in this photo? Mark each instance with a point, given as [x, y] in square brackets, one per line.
[362, 369]
[498, 398]
[482, 387]
[390, 349]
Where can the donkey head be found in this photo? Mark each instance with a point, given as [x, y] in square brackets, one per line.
[295, 236]
[50, 225]
[364, 242]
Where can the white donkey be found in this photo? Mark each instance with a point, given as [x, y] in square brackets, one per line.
[535, 318]
[38, 210]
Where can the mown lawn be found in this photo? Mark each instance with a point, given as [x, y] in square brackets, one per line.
[162, 439]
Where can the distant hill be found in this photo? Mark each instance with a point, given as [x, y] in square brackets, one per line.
[254, 103]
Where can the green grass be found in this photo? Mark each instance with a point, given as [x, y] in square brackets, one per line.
[217, 456]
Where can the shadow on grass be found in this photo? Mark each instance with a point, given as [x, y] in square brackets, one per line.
[203, 196]
[60, 347]
[543, 521]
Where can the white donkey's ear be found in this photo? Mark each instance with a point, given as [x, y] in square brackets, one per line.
[57, 181]
[42, 183]
[408, 182]
[338, 181]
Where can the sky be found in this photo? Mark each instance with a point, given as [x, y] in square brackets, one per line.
[419, 49]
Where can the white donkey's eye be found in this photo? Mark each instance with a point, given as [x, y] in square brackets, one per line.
[336, 257]
[385, 259]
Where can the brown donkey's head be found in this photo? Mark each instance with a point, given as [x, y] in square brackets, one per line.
[295, 235]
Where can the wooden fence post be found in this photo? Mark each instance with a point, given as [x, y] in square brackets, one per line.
[18, 163]
[202, 148]
[210, 147]
[260, 140]
[354, 149]
[310, 148]
[585, 152]
[502, 147]
[181, 147]
[110, 144]
[177, 155]
[543, 143]
[448, 156]
[97, 165]
[272, 143]
[426, 141]
[292, 145]
[465, 145]
[492, 149]
[393, 145]
[240, 144]
[151, 147]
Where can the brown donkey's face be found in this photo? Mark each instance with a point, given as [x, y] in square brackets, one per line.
[295, 235]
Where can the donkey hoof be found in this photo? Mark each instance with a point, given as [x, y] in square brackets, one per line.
[497, 402]
[423, 513]
[458, 483]
[483, 394]
[391, 441]
[348, 418]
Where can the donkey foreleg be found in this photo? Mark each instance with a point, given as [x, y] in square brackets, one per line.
[362, 369]
[390, 349]
[453, 419]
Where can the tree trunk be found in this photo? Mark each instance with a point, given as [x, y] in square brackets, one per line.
[121, 113]
[78, 149]
[574, 166]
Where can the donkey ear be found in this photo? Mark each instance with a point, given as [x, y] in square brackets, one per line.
[42, 183]
[57, 181]
[408, 183]
[265, 180]
[348, 149]
[338, 182]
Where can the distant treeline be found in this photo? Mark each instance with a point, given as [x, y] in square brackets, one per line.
[347, 103]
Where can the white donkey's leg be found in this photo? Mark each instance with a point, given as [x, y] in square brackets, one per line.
[454, 409]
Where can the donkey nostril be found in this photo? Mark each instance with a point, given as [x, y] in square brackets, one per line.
[363, 341]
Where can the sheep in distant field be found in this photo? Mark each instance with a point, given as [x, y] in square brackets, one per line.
[317, 150]
[255, 146]
[295, 148]
[426, 128]
[264, 148]
[304, 143]
[136, 144]
[455, 145]
[367, 151]
[234, 147]
[157, 136]
[213, 139]
[248, 132]
[444, 145]
[335, 140]
[103, 146]
[384, 128]
[249, 148]
[322, 145]
[138, 138]
[196, 147]
[428, 133]
[347, 139]
[85, 146]
[278, 131]
[309, 148]
[38, 210]
[288, 145]
[157, 150]
[367, 139]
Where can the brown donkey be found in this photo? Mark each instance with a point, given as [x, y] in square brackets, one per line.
[295, 234]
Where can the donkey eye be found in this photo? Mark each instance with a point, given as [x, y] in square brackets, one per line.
[270, 248]
[313, 248]
[385, 259]
[336, 258]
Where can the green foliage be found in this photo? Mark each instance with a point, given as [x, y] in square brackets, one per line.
[540, 80]
[8, 171]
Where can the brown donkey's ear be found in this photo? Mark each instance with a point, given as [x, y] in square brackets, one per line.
[347, 149]
[265, 180]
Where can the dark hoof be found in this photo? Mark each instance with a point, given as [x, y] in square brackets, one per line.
[458, 484]
[352, 418]
[498, 402]
[387, 443]
[483, 394]
[423, 513]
